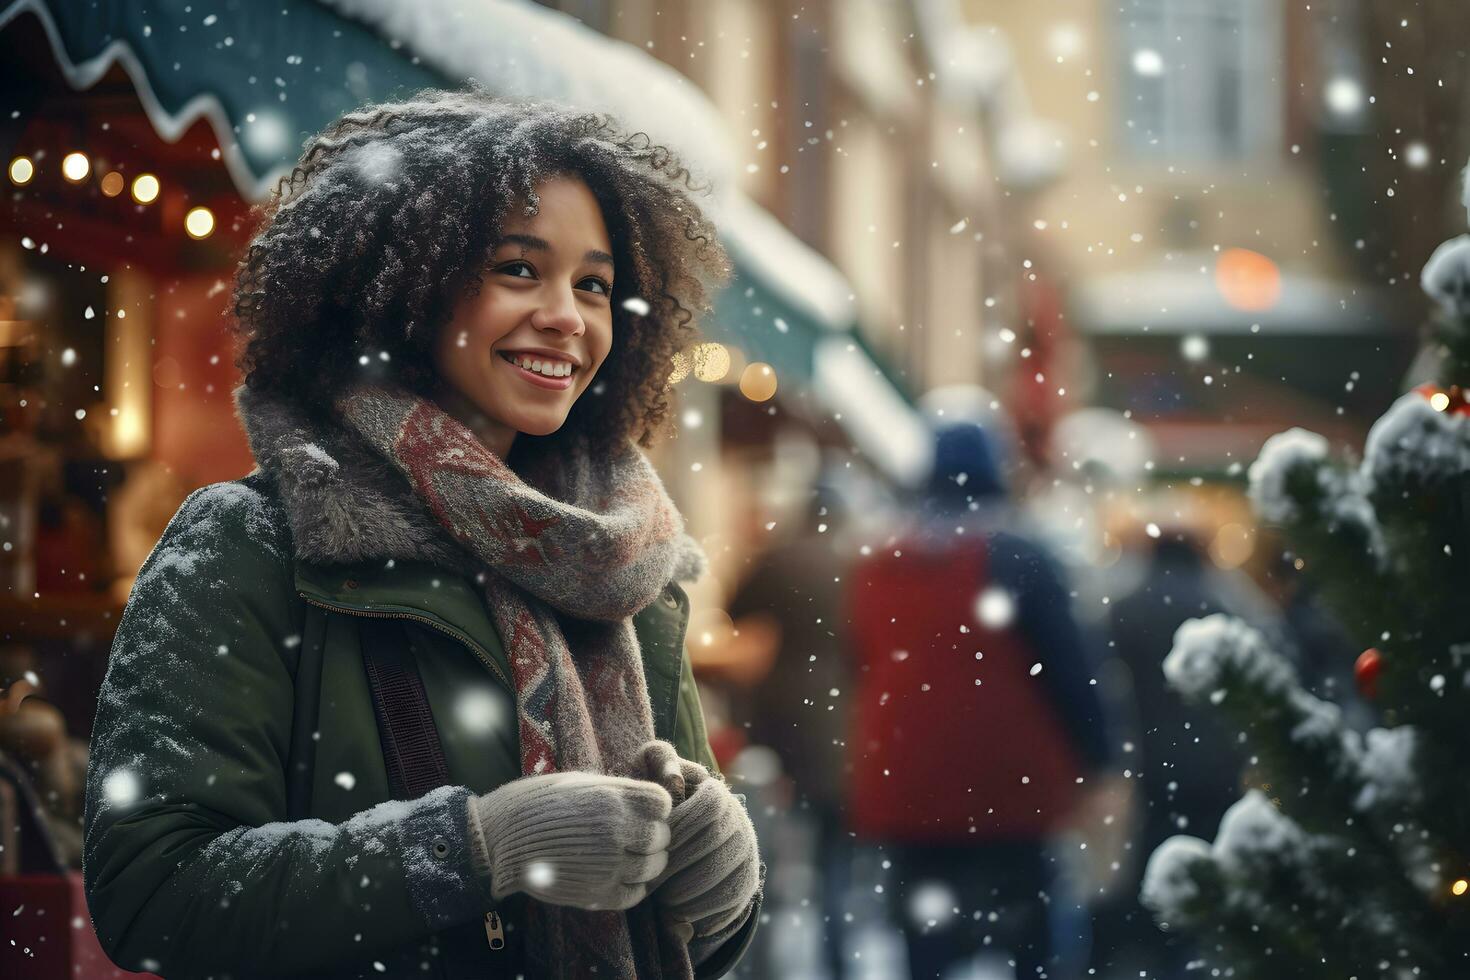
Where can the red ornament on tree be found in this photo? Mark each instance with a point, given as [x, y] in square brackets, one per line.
[1366, 670]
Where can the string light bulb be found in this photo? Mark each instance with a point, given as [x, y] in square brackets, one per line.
[21, 171]
[145, 188]
[711, 361]
[1460, 887]
[758, 381]
[75, 166]
[199, 222]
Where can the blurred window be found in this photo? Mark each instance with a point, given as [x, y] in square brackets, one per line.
[807, 111]
[1200, 79]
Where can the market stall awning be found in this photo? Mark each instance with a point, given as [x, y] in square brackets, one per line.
[264, 75]
[268, 75]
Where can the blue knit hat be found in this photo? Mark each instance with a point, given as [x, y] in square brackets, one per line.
[966, 464]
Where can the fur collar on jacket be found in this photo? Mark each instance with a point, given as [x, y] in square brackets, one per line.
[343, 501]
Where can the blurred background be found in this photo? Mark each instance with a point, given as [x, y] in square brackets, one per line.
[1123, 242]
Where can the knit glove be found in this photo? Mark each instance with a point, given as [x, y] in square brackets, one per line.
[572, 838]
[714, 869]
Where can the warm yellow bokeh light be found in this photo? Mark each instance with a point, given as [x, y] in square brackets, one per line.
[75, 167]
[1439, 401]
[681, 367]
[145, 188]
[1233, 545]
[1460, 887]
[21, 171]
[199, 222]
[112, 184]
[758, 381]
[711, 627]
[711, 362]
[1248, 280]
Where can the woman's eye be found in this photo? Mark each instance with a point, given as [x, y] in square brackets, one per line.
[602, 285]
[510, 269]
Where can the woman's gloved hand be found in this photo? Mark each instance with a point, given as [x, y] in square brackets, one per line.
[714, 869]
[572, 838]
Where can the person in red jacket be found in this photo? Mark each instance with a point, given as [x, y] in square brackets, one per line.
[975, 721]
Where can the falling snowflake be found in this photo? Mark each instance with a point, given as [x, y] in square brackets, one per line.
[121, 787]
[996, 608]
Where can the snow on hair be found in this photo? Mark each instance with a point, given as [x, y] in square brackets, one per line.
[390, 216]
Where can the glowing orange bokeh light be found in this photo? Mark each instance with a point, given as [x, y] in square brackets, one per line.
[1248, 280]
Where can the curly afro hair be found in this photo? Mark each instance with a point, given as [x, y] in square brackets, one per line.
[393, 212]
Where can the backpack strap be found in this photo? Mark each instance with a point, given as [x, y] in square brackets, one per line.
[411, 747]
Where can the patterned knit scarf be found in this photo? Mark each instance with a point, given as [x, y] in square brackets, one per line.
[572, 549]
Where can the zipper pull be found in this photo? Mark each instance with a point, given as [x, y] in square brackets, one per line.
[494, 932]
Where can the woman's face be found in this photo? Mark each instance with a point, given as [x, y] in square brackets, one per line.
[516, 356]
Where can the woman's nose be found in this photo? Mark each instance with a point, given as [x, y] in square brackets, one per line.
[559, 312]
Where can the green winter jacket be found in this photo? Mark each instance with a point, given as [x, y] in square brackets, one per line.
[238, 818]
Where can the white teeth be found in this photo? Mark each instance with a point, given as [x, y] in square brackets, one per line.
[551, 369]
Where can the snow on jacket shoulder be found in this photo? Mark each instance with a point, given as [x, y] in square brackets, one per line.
[239, 820]
[190, 866]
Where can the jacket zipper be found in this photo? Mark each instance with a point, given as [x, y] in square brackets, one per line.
[494, 930]
[455, 634]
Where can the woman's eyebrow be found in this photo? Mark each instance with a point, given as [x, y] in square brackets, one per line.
[542, 245]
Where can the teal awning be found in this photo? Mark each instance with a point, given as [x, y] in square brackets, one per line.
[267, 74]
[751, 316]
[767, 326]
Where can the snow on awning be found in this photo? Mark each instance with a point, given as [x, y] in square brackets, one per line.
[264, 76]
[874, 412]
[802, 275]
[268, 75]
[519, 48]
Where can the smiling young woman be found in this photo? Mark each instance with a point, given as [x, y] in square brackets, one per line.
[412, 696]
[517, 355]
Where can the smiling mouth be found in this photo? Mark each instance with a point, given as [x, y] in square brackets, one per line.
[521, 360]
[539, 380]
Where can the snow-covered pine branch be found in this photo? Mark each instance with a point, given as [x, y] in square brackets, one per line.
[1288, 459]
[1301, 740]
[1209, 651]
[1414, 445]
[1465, 198]
[1280, 899]
[1389, 777]
[1180, 881]
[1446, 276]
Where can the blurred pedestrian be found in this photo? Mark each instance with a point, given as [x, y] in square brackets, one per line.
[975, 721]
[1186, 759]
[1322, 649]
[793, 594]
